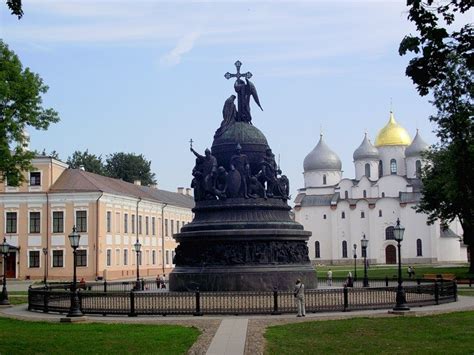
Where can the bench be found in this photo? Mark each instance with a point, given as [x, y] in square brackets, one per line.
[436, 277]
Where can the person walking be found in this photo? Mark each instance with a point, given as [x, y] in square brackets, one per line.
[299, 298]
[329, 277]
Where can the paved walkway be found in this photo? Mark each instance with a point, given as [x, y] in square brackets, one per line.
[231, 335]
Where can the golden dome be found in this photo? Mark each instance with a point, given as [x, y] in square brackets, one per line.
[392, 134]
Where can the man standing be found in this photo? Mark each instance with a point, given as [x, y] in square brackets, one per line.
[329, 277]
[299, 298]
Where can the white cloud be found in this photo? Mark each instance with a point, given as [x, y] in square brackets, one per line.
[184, 45]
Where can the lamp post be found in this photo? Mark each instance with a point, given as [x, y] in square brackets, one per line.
[364, 242]
[138, 246]
[45, 253]
[398, 232]
[354, 251]
[4, 249]
[74, 309]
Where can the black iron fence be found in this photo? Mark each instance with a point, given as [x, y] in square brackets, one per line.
[124, 299]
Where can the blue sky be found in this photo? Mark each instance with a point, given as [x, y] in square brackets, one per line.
[146, 76]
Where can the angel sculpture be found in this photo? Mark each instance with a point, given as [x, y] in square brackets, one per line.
[244, 91]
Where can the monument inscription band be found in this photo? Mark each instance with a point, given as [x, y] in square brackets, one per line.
[242, 237]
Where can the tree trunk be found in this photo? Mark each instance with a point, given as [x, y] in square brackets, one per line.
[471, 253]
[468, 236]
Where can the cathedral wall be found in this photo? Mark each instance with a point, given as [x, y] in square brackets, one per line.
[312, 218]
[392, 185]
[316, 178]
[360, 169]
[411, 166]
[390, 152]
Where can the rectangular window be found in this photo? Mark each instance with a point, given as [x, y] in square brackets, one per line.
[172, 227]
[58, 222]
[109, 221]
[117, 257]
[133, 224]
[140, 258]
[34, 258]
[153, 257]
[139, 224]
[146, 225]
[167, 256]
[125, 223]
[117, 222]
[35, 222]
[81, 257]
[153, 226]
[11, 226]
[166, 227]
[81, 221]
[362, 214]
[35, 178]
[147, 259]
[58, 258]
[125, 257]
[109, 257]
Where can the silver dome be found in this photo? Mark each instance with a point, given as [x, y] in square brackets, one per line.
[322, 158]
[366, 150]
[416, 147]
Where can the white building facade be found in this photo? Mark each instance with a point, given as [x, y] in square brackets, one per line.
[340, 211]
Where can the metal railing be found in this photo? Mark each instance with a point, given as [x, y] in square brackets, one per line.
[121, 300]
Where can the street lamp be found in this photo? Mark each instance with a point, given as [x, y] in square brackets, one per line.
[75, 309]
[138, 246]
[398, 232]
[4, 249]
[354, 251]
[45, 252]
[364, 242]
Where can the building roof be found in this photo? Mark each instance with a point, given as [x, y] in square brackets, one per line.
[366, 150]
[416, 147]
[410, 197]
[314, 200]
[76, 180]
[392, 134]
[322, 158]
[448, 233]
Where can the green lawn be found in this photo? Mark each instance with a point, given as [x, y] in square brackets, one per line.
[20, 337]
[381, 271]
[442, 334]
[17, 300]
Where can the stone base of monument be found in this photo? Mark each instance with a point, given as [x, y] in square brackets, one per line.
[242, 278]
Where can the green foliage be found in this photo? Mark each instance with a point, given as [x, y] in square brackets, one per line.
[130, 167]
[55, 338]
[442, 334]
[443, 68]
[20, 106]
[15, 7]
[90, 162]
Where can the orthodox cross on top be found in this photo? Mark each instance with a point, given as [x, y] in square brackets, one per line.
[238, 75]
[191, 143]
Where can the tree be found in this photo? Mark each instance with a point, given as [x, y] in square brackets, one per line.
[15, 7]
[130, 167]
[20, 106]
[444, 69]
[90, 162]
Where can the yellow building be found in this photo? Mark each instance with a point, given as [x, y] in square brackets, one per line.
[109, 214]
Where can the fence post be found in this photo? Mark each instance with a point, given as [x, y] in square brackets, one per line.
[386, 281]
[455, 289]
[436, 292]
[346, 299]
[275, 302]
[105, 285]
[418, 281]
[46, 300]
[143, 284]
[132, 304]
[198, 303]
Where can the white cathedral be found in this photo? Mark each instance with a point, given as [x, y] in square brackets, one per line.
[340, 211]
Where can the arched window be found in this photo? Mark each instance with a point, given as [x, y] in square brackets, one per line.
[367, 170]
[393, 166]
[419, 248]
[418, 169]
[324, 180]
[344, 249]
[365, 194]
[389, 233]
[343, 214]
[380, 169]
[324, 216]
[383, 194]
[346, 194]
[362, 214]
[380, 213]
[317, 250]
